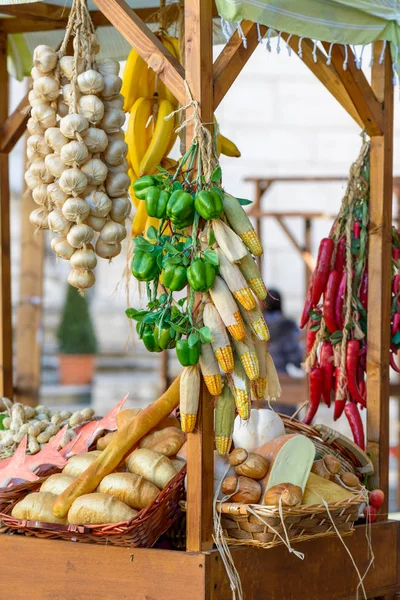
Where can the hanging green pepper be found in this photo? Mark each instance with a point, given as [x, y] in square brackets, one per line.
[174, 277]
[144, 266]
[148, 338]
[201, 275]
[187, 355]
[208, 204]
[163, 337]
[156, 202]
[142, 184]
[180, 208]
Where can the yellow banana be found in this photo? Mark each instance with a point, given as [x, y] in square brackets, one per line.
[151, 222]
[227, 147]
[133, 177]
[134, 79]
[175, 43]
[162, 90]
[160, 141]
[137, 133]
[139, 220]
[169, 164]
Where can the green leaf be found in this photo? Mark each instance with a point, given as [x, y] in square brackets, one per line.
[211, 256]
[163, 298]
[211, 238]
[205, 335]
[315, 327]
[217, 175]
[160, 261]
[336, 337]
[2, 417]
[171, 260]
[244, 201]
[142, 244]
[182, 301]
[151, 317]
[193, 339]
[185, 261]
[171, 248]
[152, 233]
[315, 316]
[137, 315]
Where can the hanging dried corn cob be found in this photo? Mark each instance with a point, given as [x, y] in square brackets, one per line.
[255, 319]
[219, 338]
[210, 370]
[228, 309]
[230, 243]
[241, 389]
[235, 281]
[273, 386]
[248, 357]
[241, 224]
[224, 417]
[252, 274]
[259, 385]
[189, 397]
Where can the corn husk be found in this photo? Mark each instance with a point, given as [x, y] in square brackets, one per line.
[255, 319]
[230, 243]
[224, 302]
[241, 389]
[210, 370]
[252, 274]
[248, 357]
[219, 335]
[224, 418]
[273, 386]
[259, 386]
[189, 397]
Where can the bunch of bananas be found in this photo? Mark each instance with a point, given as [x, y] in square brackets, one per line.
[149, 136]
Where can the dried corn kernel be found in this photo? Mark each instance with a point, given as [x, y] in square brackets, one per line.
[261, 330]
[259, 387]
[250, 364]
[224, 357]
[251, 239]
[238, 331]
[188, 422]
[213, 383]
[223, 444]
[246, 298]
[242, 401]
[258, 287]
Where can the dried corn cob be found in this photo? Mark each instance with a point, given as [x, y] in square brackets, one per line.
[259, 385]
[254, 318]
[248, 357]
[228, 309]
[230, 243]
[252, 275]
[241, 390]
[241, 224]
[210, 370]
[235, 281]
[189, 397]
[220, 341]
[224, 418]
[273, 386]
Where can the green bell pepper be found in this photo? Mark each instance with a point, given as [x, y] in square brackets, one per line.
[148, 338]
[142, 184]
[156, 202]
[208, 204]
[163, 338]
[144, 266]
[187, 355]
[201, 275]
[174, 277]
[180, 208]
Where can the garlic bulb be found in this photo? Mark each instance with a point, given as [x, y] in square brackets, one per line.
[84, 259]
[45, 115]
[116, 135]
[107, 66]
[117, 184]
[62, 108]
[55, 139]
[36, 73]
[73, 124]
[96, 223]
[39, 169]
[44, 58]
[61, 247]
[31, 179]
[75, 209]
[99, 204]
[46, 87]
[81, 279]
[37, 144]
[73, 181]
[113, 233]
[95, 171]
[79, 235]
[90, 82]
[55, 195]
[112, 86]
[54, 164]
[34, 99]
[58, 223]
[116, 102]
[67, 66]
[39, 194]
[74, 153]
[96, 140]
[35, 128]
[38, 217]
[68, 91]
[121, 209]
[107, 250]
[92, 108]
[113, 120]
[121, 168]
[115, 152]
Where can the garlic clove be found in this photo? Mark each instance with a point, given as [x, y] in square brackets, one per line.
[112, 86]
[38, 217]
[95, 171]
[68, 93]
[84, 259]
[81, 279]
[74, 153]
[108, 66]
[121, 209]
[96, 140]
[73, 124]
[67, 66]
[47, 88]
[34, 127]
[54, 164]
[112, 232]
[79, 235]
[73, 181]
[113, 120]
[99, 204]
[90, 82]
[55, 139]
[62, 248]
[45, 115]
[75, 209]
[55, 195]
[58, 223]
[96, 223]
[92, 108]
[39, 194]
[107, 250]
[45, 58]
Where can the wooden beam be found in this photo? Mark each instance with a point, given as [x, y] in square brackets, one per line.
[358, 88]
[147, 44]
[6, 374]
[305, 255]
[15, 126]
[200, 454]
[379, 276]
[233, 58]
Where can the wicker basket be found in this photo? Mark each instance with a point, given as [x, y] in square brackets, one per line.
[140, 532]
[262, 526]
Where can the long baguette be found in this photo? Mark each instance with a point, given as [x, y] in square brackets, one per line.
[119, 447]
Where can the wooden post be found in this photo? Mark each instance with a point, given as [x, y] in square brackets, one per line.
[199, 73]
[379, 261]
[6, 375]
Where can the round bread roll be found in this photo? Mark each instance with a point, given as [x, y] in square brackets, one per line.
[37, 506]
[78, 464]
[98, 509]
[132, 489]
[151, 465]
[57, 483]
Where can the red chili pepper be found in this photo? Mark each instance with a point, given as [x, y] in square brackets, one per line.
[340, 259]
[315, 379]
[339, 402]
[307, 307]
[396, 284]
[393, 364]
[340, 300]
[352, 358]
[353, 416]
[364, 290]
[396, 254]
[311, 335]
[328, 369]
[395, 323]
[360, 379]
[330, 296]
[356, 229]
[321, 273]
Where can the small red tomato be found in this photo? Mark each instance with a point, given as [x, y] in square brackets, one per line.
[370, 514]
[376, 498]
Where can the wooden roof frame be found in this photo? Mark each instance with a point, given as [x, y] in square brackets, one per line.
[371, 106]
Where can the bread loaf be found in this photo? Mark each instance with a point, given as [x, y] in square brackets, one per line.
[57, 483]
[168, 441]
[37, 506]
[126, 416]
[78, 464]
[105, 440]
[152, 465]
[97, 509]
[131, 489]
[317, 488]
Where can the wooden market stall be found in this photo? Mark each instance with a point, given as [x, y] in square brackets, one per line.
[86, 571]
